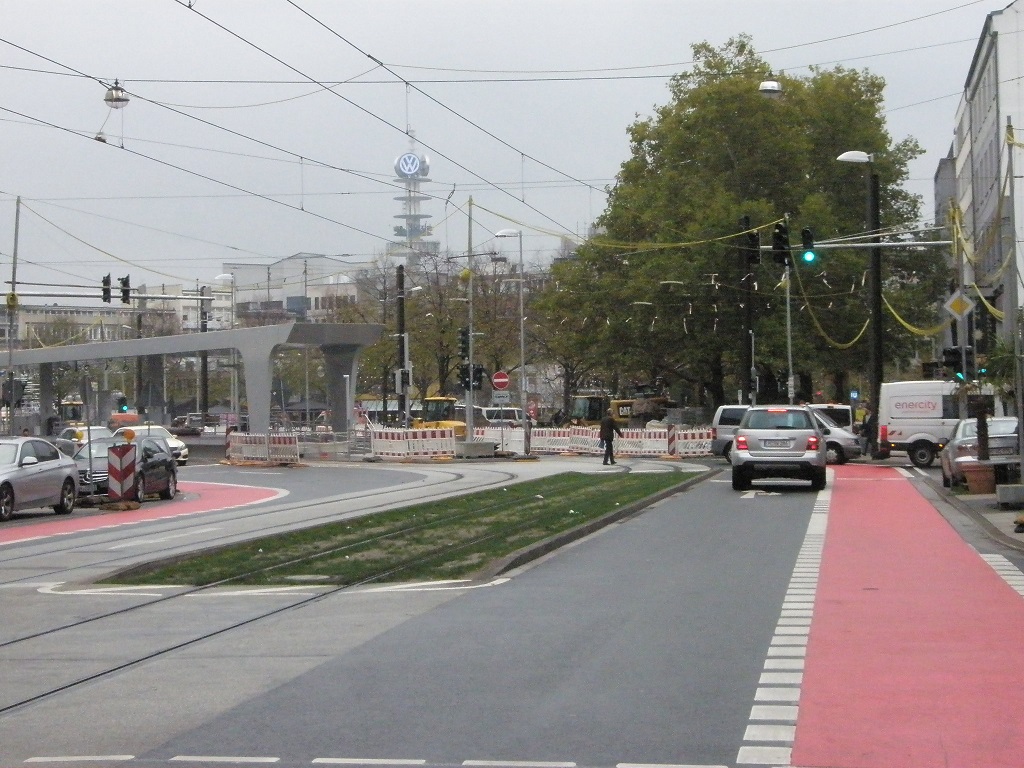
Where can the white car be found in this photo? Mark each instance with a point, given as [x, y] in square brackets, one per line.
[178, 448]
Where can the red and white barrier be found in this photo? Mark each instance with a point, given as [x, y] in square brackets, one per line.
[392, 443]
[278, 448]
[655, 441]
[121, 472]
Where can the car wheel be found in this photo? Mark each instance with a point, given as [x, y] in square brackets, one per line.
[922, 454]
[834, 454]
[140, 487]
[67, 498]
[725, 453]
[172, 487]
[818, 479]
[6, 502]
[740, 480]
[183, 463]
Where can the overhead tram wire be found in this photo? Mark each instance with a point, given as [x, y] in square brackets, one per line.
[366, 111]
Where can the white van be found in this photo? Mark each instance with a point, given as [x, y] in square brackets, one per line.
[919, 417]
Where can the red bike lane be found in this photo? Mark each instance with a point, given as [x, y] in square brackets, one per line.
[916, 649]
[195, 498]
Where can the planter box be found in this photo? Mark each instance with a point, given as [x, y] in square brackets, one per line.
[981, 478]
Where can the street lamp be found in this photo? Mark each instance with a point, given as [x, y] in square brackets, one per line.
[522, 333]
[234, 362]
[874, 272]
[469, 306]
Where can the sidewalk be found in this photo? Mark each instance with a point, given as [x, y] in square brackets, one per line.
[984, 509]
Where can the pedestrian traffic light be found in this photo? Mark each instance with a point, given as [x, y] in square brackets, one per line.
[808, 254]
[464, 375]
[126, 289]
[464, 343]
[106, 288]
[780, 243]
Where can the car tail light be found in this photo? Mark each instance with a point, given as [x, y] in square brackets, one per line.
[714, 433]
[741, 442]
[883, 434]
[812, 443]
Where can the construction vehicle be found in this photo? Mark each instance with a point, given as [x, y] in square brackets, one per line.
[636, 411]
[442, 413]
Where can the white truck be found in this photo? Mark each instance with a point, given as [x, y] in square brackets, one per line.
[919, 417]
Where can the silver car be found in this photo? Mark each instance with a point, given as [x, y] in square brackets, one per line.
[33, 473]
[178, 448]
[779, 441]
[962, 447]
[841, 444]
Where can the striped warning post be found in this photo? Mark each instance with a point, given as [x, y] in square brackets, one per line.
[121, 472]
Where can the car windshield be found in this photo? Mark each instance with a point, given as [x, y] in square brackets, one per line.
[8, 453]
[826, 420]
[98, 449]
[780, 418]
[995, 427]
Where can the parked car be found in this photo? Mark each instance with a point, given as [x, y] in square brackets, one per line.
[778, 441]
[156, 470]
[723, 426]
[962, 447]
[178, 448]
[841, 444]
[33, 473]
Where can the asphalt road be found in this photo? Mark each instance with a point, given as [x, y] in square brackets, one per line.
[676, 637]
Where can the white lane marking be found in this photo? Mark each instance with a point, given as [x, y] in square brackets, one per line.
[665, 765]
[254, 592]
[366, 761]
[1007, 571]
[516, 764]
[104, 591]
[774, 722]
[222, 759]
[161, 539]
[80, 758]
[443, 587]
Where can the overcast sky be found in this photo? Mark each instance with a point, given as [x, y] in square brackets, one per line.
[232, 153]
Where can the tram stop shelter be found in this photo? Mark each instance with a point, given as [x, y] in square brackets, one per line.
[340, 343]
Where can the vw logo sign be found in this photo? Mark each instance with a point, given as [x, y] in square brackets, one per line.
[408, 165]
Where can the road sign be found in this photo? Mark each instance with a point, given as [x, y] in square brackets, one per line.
[499, 381]
[959, 306]
[499, 397]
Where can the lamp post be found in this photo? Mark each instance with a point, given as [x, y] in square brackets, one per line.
[469, 304]
[874, 272]
[518, 233]
[234, 363]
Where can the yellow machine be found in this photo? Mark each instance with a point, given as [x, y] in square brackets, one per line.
[442, 413]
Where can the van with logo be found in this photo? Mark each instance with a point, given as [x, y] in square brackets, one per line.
[918, 417]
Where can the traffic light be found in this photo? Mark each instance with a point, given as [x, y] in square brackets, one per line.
[753, 247]
[126, 289]
[464, 375]
[122, 404]
[106, 288]
[952, 359]
[464, 343]
[749, 245]
[478, 376]
[808, 254]
[780, 243]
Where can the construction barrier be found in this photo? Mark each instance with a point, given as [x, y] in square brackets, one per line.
[277, 448]
[668, 440]
[396, 443]
[506, 440]
[121, 472]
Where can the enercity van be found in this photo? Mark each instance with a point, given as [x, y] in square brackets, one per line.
[919, 417]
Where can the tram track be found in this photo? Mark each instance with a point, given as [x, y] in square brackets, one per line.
[140, 609]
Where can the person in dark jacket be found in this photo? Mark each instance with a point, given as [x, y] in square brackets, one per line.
[608, 431]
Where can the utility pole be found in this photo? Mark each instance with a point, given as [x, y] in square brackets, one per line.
[402, 388]
[12, 314]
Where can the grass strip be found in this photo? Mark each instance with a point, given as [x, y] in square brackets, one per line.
[446, 539]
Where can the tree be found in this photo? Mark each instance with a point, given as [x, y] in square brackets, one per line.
[716, 152]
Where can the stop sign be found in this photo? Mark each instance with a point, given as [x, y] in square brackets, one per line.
[499, 380]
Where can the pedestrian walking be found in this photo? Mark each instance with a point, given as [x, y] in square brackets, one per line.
[869, 431]
[608, 431]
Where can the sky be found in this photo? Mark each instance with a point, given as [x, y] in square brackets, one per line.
[258, 129]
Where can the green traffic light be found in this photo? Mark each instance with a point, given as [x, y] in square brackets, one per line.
[809, 257]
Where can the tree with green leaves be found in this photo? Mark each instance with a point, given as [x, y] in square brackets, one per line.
[665, 289]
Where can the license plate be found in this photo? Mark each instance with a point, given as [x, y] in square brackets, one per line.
[776, 443]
